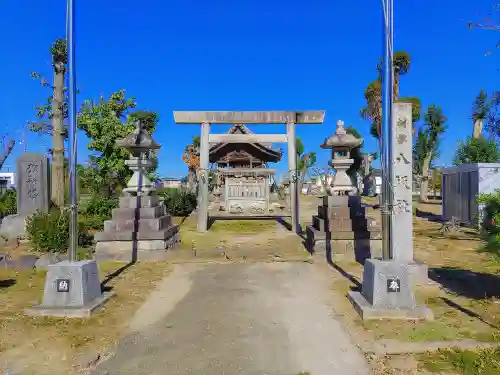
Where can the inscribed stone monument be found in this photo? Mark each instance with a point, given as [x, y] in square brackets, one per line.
[387, 289]
[32, 193]
[402, 217]
[32, 183]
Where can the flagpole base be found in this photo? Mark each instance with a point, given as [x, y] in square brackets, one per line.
[387, 293]
[72, 290]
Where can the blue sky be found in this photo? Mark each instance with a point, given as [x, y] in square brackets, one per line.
[247, 55]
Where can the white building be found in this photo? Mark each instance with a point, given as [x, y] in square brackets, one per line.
[9, 177]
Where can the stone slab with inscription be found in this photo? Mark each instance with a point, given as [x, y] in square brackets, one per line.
[32, 183]
[402, 218]
[32, 187]
[387, 291]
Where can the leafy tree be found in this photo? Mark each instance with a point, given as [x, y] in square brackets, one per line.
[51, 117]
[304, 161]
[477, 150]
[480, 112]
[427, 144]
[493, 124]
[104, 122]
[191, 157]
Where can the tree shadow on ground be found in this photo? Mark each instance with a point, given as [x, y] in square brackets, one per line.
[110, 276]
[183, 220]
[466, 283]
[7, 283]
[467, 311]
[429, 216]
[336, 267]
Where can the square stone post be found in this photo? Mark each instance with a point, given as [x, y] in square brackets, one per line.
[292, 174]
[387, 290]
[203, 179]
[402, 215]
[402, 212]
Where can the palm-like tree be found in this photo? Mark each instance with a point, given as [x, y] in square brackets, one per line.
[480, 111]
[402, 63]
[373, 95]
[191, 157]
[373, 109]
[427, 144]
[304, 161]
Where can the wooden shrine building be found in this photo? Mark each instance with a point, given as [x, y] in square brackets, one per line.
[242, 154]
[243, 178]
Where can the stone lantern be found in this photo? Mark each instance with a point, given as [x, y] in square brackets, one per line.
[341, 143]
[139, 229]
[138, 144]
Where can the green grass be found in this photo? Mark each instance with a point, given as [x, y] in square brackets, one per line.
[466, 362]
[242, 226]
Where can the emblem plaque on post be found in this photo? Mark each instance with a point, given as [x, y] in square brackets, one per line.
[393, 285]
[62, 285]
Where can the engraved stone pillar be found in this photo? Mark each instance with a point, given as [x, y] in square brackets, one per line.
[203, 179]
[293, 176]
[402, 218]
[387, 289]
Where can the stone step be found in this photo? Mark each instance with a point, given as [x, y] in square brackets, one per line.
[139, 202]
[347, 235]
[357, 248]
[137, 236]
[154, 224]
[341, 200]
[343, 211]
[343, 224]
[137, 213]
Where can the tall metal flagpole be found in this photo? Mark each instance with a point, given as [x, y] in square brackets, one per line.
[70, 39]
[387, 100]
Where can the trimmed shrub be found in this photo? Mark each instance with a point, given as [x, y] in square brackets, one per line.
[8, 203]
[178, 202]
[93, 222]
[490, 221]
[49, 232]
[97, 206]
[95, 211]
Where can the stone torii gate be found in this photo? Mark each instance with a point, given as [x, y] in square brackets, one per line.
[290, 118]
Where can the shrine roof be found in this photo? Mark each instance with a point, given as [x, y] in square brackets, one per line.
[263, 151]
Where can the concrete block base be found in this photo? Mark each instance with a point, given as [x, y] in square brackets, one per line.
[419, 273]
[142, 250]
[70, 312]
[387, 292]
[72, 289]
[368, 312]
